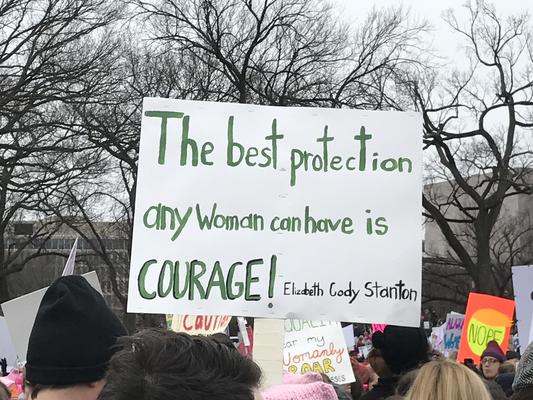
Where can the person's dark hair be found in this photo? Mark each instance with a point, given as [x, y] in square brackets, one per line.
[469, 363]
[163, 365]
[356, 388]
[402, 348]
[36, 389]
[4, 392]
[405, 382]
[222, 338]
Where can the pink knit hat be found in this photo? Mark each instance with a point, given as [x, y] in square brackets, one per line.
[301, 387]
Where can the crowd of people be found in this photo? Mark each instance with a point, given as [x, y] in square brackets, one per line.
[78, 349]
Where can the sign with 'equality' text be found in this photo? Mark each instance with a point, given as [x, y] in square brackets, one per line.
[317, 346]
[277, 212]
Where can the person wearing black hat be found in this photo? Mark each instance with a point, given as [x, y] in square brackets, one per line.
[403, 349]
[71, 342]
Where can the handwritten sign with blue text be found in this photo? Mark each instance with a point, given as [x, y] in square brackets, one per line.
[452, 332]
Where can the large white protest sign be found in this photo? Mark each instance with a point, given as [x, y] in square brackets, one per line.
[277, 212]
[20, 314]
[317, 346]
[452, 332]
[523, 292]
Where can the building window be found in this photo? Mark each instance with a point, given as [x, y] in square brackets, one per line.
[23, 228]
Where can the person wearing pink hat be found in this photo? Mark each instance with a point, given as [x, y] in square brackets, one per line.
[301, 387]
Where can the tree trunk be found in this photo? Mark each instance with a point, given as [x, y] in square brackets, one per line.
[129, 322]
[4, 290]
[484, 280]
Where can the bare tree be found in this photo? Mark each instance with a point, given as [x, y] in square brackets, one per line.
[292, 52]
[103, 207]
[479, 165]
[51, 53]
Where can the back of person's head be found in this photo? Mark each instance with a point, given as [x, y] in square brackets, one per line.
[402, 348]
[163, 365]
[405, 382]
[512, 355]
[224, 339]
[508, 367]
[447, 380]
[72, 337]
[361, 370]
[378, 364]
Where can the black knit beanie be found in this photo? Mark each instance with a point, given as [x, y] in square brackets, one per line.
[73, 335]
[402, 348]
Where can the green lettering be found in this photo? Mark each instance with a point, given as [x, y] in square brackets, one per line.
[325, 139]
[164, 115]
[177, 293]
[274, 139]
[146, 215]
[160, 287]
[194, 281]
[251, 279]
[362, 138]
[216, 279]
[142, 278]
[207, 149]
[229, 283]
[231, 145]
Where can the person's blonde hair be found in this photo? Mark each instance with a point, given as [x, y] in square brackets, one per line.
[447, 380]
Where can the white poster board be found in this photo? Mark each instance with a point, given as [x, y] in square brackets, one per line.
[278, 212]
[7, 348]
[437, 337]
[268, 350]
[317, 346]
[20, 314]
[531, 331]
[523, 294]
[349, 337]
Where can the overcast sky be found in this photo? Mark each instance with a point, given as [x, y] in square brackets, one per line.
[445, 42]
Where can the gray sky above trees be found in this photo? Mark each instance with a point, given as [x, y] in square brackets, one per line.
[447, 45]
[445, 42]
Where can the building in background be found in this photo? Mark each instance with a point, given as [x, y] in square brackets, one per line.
[54, 249]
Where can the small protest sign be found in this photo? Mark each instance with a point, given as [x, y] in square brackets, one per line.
[199, 324]
[487, 318]
[378, 327]
[523, 292]
[349, 337]
[71, 261]
[317, 346]
[437, 337]
[20, 314]
[452, 332]
[365, 350]
[273, 211]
